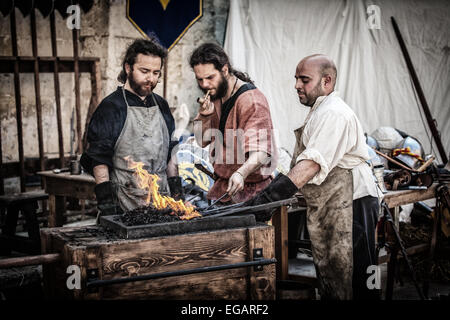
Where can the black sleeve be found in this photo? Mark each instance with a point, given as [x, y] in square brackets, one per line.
[104, 129]
[170, 122]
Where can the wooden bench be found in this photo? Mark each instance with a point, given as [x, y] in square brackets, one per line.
[27, 204]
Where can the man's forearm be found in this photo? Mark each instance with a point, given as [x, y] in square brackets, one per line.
[253, 163]
[172, 168]
[101, 173]
[304, 171]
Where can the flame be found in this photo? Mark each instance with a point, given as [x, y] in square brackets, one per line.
[149, 182]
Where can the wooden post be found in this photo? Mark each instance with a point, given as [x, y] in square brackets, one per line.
[76, 69]
[2, 187]
[57, 89]
[18, 101]
[96, 89]
[280, 222]
[37, 90]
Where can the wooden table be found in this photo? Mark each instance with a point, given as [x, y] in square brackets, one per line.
[281, 218]
[61, 185]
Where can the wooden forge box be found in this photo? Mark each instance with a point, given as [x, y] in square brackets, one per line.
[204, 265]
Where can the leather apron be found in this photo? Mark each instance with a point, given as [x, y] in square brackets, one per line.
[145, 138]
[329, 222]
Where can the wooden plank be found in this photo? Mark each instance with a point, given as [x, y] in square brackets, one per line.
[280, 222]
[409, 251]
[116, 258]
[223, 285]
[67, 177]
[29, 260]
[399, 198]
[262, 283]
[172, 253]
[30, 196]
[56, 210]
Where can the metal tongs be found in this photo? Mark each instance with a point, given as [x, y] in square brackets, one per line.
[215, 201]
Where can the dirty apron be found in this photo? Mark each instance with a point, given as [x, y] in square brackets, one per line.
[145, 138]
[329, 221]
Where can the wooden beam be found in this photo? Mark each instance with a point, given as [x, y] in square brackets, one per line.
[29, 260]
[46, 64]
[57, 89]
[96, 89]
[37, 89]
[75, 37]
[18, 100]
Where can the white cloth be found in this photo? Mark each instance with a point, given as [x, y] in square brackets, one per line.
[333, 136]
[268, 38]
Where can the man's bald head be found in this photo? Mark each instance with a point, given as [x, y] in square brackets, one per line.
[325, 66]
[315, 76]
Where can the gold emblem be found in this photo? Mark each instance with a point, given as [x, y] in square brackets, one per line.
[164, 3]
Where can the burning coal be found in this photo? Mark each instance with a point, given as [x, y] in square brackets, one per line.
[149, 182]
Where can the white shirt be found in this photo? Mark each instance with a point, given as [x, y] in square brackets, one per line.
[333, 136]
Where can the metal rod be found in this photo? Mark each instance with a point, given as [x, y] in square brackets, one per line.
[251, 209]
[37, 90]
[18, 101]
[99, 283]
[29, 260]
[57, 88]
[423, 101]
[216, 201]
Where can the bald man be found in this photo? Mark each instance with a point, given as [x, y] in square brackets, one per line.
[329, 167]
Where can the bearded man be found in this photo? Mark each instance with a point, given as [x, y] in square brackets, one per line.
[330, 169]
[132, 121]
[234, 118]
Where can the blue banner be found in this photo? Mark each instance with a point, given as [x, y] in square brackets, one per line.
[167, 20]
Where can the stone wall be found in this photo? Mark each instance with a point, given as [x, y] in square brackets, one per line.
[105, 33]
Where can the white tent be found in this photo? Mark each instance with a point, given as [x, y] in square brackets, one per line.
[268, 38]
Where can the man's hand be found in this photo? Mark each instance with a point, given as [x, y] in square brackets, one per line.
[235, 183]
[176, 188]
[105, 200]
[206, 106]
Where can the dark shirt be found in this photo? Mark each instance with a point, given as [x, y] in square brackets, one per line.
[107, 123]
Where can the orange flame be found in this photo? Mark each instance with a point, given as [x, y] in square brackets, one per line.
[149, 182]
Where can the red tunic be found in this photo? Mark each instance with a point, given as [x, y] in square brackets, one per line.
[248, 128]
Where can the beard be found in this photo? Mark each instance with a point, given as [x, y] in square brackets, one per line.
[140, 87]
[221, 90]
[311, 97]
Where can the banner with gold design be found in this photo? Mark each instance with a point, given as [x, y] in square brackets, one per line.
[167, 20]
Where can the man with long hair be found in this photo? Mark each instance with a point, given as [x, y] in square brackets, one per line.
[235, 120]
[132, 121]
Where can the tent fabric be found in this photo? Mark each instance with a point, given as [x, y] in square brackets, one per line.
[268, 38]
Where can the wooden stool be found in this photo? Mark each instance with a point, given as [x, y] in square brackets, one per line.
[26, 203]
